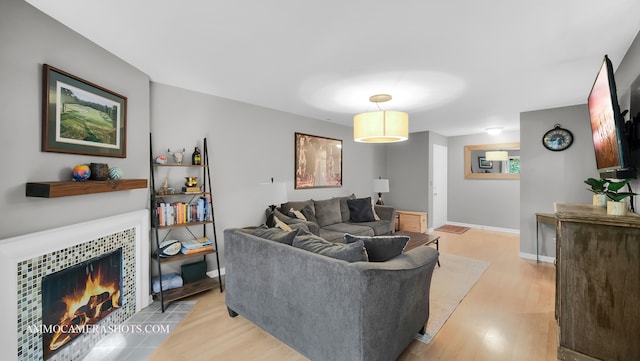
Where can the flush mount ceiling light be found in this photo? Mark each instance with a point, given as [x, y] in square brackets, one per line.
[494, 131]
[381, 126]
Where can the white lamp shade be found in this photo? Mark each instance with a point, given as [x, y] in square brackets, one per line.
[384, 126]
[274, 193]
[381, 185]
[497, 155]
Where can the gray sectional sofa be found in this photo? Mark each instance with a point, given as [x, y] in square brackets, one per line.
[327, 308]
[332, 218]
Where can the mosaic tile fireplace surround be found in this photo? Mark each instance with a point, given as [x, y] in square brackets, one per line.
[25, 260]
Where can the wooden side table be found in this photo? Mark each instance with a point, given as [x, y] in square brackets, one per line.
[411, 221]
[542, 218]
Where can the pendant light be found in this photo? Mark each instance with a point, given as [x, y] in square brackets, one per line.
[381, 126]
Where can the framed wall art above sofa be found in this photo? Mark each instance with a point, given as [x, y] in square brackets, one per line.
[318, 161]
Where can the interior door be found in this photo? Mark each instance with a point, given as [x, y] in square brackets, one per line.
[439, 196]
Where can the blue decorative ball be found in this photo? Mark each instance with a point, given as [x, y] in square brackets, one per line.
[115, 173]
[81, 172]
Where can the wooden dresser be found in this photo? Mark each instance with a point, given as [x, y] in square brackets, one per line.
[597, 284]
[411, 221]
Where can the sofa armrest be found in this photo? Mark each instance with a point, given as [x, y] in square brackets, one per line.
[386, 213]
[408, 278]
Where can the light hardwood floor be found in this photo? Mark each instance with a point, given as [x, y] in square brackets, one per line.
[507, 315]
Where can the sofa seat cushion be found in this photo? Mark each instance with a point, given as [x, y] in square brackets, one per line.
[352, 252]
[380, 248]
[379, 228]
[336, 232]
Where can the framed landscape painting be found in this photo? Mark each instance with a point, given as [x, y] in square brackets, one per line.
[80, 117]
[318, 161]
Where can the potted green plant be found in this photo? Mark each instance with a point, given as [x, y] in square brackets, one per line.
[615, 206]
[598, 187]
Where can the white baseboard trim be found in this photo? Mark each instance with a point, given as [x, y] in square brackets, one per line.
[214, 273]
[531, 256]
[498, 229]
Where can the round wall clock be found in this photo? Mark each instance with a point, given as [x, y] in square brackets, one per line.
[557, 139]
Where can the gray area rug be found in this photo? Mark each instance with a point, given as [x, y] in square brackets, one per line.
[449, 285]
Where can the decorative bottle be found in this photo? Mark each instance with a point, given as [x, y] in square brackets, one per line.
[196, 159]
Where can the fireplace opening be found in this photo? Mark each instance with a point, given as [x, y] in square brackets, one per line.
[76, 298]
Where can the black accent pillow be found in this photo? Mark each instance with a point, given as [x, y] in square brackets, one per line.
[353, 252]
[308, 213]
[380, 248]
[360, 210]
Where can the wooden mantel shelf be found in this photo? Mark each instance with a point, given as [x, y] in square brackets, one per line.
[65, 189]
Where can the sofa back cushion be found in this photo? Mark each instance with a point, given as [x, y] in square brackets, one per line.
[352, 252]
[274, 234]
[328, 212]
[297, 205]
[344, 207]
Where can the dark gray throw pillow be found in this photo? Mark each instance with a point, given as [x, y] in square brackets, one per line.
[360, 210]
[275, 234]
[354, 252]
[380, 248]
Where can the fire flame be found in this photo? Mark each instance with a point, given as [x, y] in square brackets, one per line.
[87, 306]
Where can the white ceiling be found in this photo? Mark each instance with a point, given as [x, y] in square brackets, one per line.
[457, 67]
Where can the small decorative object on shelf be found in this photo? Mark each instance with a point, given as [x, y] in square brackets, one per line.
[169, 247]
[191, 181]
[115, 173]
[99, 171]
[81, 172]
[161, 159]
[196, 158]
[177, 155]
[164, 188]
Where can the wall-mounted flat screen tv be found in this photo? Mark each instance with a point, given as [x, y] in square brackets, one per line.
[607, 126]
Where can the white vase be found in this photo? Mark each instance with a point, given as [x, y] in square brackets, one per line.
[616, 208]
[599, 200]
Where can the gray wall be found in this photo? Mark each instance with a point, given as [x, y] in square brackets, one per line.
[28, 39]
[626, 73]
[493, 203]
[248, 145]
[408, 171]
[549, 177]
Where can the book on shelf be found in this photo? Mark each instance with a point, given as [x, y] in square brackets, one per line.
[199, 250]
[191, 189]
[196, 243]
[168, 214]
